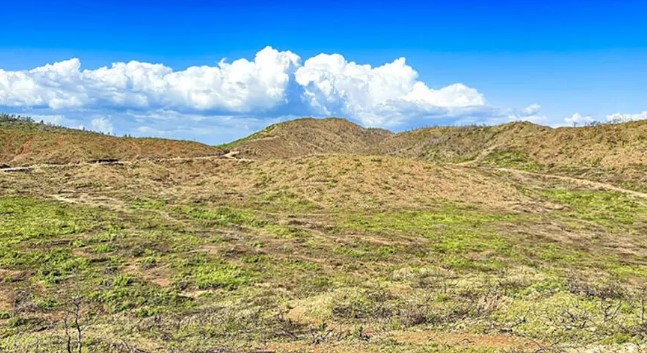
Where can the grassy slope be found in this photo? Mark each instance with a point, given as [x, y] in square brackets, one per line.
[515, 144]
[615, 153]
[25, 143]
[308, 136]
[323, 253]
[327, 253]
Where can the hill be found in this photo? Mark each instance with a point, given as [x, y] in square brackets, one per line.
[527, 145]
[328, 237]
[520, 144]
[608, 152]
[309, 136]
[24, 142]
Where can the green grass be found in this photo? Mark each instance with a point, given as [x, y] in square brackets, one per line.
[23, 219]
[257, 135]
[222, 216]
[609, 209]
[206, 273]
[222, 276]
[512, 159]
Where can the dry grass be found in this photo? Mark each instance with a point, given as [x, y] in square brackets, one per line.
[613, 153]
[321, 253]
[317, 182]
[309, 136]
[27, 144]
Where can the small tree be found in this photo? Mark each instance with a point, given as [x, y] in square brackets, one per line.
[72, 320]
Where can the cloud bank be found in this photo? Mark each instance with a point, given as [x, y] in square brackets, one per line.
[240, 86]
[621, 118]
[274, 82]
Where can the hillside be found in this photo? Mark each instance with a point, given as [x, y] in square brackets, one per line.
[24, 143]
[614, 153]
[326, 237]
[522, 144]
[318, 253]
[606, 145]
[308, 136]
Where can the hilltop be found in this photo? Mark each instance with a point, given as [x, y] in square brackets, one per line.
[24, 142]
[309, 136]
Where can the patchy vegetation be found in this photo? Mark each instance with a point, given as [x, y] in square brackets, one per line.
[342, 253]
[26, 142]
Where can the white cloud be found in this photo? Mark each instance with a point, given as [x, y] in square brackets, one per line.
[530, 113]
[239, 86]
[273, 84]
[56, 119]
[531, 110]
[232, 98]
[376, 96]
[213, 129]
[619, 117]
[54, 85]
[101, 124]
[578, 119]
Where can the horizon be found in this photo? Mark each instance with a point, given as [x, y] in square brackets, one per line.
[216, 72]
[589, 124]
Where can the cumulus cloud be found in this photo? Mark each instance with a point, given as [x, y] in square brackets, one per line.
[275, 83]
[214, 129]
[376, 96]
[530, 113]
[101, 124]
[239, 86]
[230, 99]
[620, 117]
[578, 119]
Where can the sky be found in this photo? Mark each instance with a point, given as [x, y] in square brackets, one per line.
[214, 71]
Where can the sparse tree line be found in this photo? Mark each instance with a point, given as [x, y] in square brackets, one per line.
[14, 118]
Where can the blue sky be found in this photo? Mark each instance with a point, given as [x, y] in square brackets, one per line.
[553, 62]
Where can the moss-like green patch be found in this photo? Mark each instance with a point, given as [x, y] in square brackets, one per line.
[512, 159]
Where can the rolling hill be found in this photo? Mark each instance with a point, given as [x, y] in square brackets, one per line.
[24, 142]
[606, 145]
[614, 153]
[323, 236]
[309, 136]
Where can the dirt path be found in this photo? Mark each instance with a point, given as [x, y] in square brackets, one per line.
[231, 156]
[578, 181]
[481, 156]
[91, 200]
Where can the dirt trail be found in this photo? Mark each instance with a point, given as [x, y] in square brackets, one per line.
[91, 200]
[231, 156]
[481, 156]
[578, 181]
